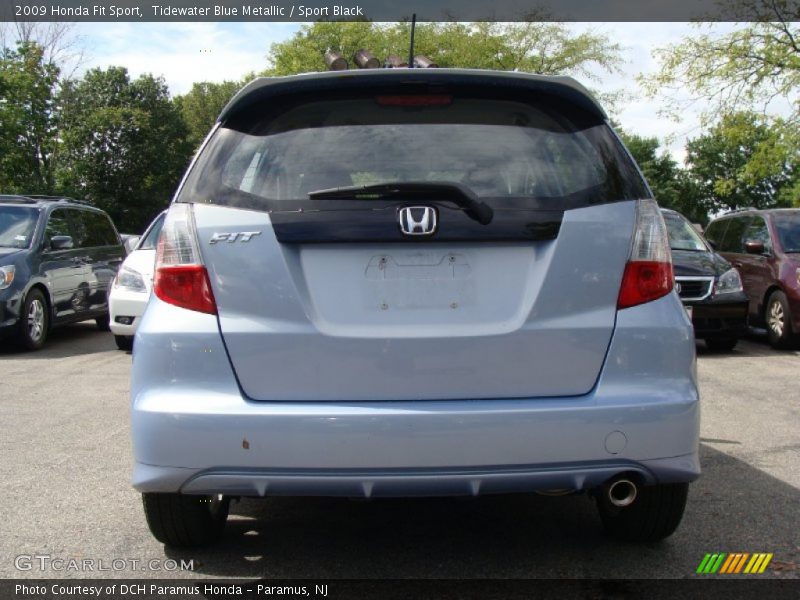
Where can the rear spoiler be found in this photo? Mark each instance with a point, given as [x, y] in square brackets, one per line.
[262, 89]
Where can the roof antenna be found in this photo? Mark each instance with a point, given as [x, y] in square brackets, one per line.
[411, 49]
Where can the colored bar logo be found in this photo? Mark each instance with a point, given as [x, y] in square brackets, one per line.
[734, 563]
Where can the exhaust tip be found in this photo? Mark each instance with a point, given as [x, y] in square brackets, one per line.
[622, 492]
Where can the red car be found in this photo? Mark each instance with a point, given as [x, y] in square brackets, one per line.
[764, 245]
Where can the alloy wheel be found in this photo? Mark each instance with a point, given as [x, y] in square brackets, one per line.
[35, 320]
[777, 318]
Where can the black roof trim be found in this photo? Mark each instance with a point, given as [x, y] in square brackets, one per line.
[265, 87]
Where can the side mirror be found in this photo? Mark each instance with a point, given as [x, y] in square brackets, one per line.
[754, 247]
[61, 242]
[712, 244]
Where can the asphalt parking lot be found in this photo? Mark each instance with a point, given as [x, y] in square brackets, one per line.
[66, 464]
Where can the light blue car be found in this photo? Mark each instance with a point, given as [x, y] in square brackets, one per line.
[413, 283]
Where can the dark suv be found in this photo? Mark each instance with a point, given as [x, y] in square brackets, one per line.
[57, 260]
[764, 245]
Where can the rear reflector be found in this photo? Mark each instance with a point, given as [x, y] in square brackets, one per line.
[181, 278]
[426, 100]
[648, 273]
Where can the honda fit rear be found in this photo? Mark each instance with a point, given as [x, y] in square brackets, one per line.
[413, 283]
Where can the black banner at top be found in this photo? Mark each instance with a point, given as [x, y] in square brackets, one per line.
[398, 10]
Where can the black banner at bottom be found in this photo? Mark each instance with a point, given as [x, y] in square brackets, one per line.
[335, 589]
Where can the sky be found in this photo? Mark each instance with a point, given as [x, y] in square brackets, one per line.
[184, 53]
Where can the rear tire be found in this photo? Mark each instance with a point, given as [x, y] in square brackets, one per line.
[653, 516]
[721, 344]
[185, 521]
[779, 321]
[124, 342]
[34, 321]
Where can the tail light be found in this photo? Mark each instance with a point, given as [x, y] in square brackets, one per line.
[181, 278]
[648, 273]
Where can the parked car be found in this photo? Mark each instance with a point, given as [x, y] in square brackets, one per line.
[132, 286]
[708, 285]
[764, 245]
[57, 260]
[445, 282]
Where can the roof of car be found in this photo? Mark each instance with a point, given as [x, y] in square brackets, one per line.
[264, 87]
[40, 200]
[751, 210]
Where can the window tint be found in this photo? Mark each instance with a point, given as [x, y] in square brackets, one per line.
[95, 229]
[545, 155]
[788, 228]
[733, 242]
[151, 239]
[59, 223]
[715, 232]
[757, 232]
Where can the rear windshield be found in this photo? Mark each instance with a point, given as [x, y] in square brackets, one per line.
[788, 227]
[534, 152]
[17, 225]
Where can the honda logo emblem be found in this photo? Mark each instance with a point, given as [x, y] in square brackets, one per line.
[417, 220]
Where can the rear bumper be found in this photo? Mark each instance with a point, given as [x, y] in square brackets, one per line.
[411, 483]
[194, 432]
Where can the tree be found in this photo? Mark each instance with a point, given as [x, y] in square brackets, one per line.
[60, 45]
[27, 120]
[745, 160]
[532, 47]
[745, 69]
[201, 106]
[124, 144]
[673, 187]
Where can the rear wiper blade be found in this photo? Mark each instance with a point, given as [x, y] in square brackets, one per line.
[448, 191]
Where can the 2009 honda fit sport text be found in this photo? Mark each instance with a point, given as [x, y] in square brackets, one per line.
[413, 283]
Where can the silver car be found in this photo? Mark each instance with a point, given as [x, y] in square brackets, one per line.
[413, 283]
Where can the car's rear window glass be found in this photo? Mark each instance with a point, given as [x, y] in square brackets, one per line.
[503, 150]
[17, 225]
[788, 227]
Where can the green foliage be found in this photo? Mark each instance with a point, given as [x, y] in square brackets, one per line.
[27, 120]
[741, 70]
[201, 106]
[746, 160]
[124, 144]
[534, 47]
[673, 187]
